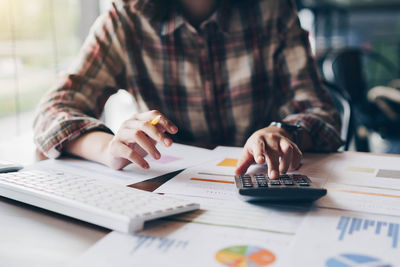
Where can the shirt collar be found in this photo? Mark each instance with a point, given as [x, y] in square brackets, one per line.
[171, 25]
[221, 17]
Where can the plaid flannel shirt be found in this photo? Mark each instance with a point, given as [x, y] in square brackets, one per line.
[244, 67]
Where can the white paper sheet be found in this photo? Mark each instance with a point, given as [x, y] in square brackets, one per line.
[185, 244]
[173, 158]
[359, 182]
[237, 214]
[335, 238]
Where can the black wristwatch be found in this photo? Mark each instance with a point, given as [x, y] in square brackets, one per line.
[293, 129]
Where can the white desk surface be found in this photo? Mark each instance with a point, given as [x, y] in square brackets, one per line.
[33, 237]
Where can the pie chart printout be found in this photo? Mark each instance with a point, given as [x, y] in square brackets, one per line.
[245, 256]
[356, 260]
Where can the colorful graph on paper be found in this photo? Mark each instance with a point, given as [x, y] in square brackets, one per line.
[228, 162]
[352, 226]
[355, 260]
[161, 244]
[245, 256]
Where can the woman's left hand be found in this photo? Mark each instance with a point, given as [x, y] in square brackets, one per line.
[271, 145]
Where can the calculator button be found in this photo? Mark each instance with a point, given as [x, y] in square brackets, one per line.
[303, 184]
[301, 180]
[245, 178]
[262, 183]
[274, 182]
[287, 182]
[246, 181]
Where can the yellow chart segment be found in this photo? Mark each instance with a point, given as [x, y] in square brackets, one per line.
[245, 256]
[228, 163]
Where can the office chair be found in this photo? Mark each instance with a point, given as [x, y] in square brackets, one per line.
[342, 101]
[355, 70]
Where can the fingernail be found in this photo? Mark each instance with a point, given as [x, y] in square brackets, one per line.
[173, 129]
[274, 174]
[260, 159]
[146, 166]
[158, 155]
[167, 142]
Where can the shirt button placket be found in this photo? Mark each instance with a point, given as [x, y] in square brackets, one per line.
[206, 79]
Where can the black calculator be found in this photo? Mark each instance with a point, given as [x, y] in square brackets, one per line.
[288, 187]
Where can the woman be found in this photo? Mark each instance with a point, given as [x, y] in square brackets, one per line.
[216, 71]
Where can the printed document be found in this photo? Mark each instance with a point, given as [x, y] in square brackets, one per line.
[173, 158]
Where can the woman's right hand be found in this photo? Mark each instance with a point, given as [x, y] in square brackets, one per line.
[136, 138]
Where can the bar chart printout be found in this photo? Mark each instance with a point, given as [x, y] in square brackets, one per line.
[337, 238]
[352, 226]
[160, 244]
[356, 260]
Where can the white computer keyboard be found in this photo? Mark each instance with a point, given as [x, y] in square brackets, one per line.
[112, 206]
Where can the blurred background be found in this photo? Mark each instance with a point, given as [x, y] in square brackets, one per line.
[356, 43]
